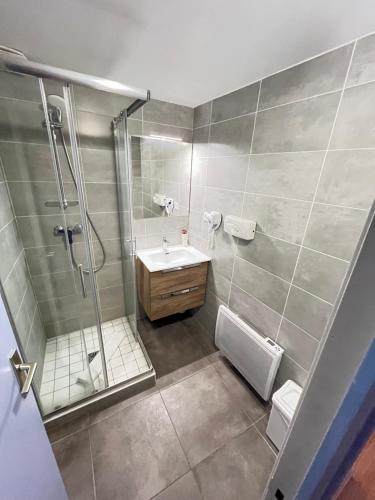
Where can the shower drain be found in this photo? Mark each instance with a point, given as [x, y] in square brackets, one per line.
[91, 355]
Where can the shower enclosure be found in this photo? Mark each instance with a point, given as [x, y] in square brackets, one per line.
[66, 237]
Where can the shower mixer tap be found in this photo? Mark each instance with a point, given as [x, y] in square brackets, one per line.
[60, 230]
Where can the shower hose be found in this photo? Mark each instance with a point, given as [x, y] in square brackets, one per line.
[98, 268]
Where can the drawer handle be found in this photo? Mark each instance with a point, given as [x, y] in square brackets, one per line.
[179, 268]
[179, 292]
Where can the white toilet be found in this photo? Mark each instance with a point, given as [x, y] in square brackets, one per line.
[284, 403]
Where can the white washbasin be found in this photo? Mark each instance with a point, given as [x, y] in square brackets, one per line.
[155, 259]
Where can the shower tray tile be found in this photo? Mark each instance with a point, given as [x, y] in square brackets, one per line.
[65, 361]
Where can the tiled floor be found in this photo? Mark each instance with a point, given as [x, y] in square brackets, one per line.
[67, 375]
[198, 434]
[174, 342]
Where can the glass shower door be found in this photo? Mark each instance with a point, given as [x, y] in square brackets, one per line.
[78, 349]
[128, 247]
[67, 263]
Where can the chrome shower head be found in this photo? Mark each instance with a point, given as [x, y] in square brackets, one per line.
[56, 105]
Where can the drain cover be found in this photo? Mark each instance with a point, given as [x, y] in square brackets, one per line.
[91, 355]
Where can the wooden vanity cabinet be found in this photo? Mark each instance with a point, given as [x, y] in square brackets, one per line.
[163, 293]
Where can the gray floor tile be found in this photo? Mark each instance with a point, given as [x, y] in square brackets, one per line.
[57, 430]
[203, 413]
[185, 488]
[182, 373]
[245, 396]
[74, 460]
[237, 471]
[170, 344]
[136, 453]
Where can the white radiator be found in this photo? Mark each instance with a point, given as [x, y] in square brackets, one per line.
[255, 357]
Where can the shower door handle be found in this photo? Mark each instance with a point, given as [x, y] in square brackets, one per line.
[24, 372]
[81, 275]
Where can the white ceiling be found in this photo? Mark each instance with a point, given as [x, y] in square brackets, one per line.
[185, 51]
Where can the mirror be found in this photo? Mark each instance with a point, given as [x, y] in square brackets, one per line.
[161, 176]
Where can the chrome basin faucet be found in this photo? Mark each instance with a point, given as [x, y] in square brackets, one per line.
[165, 245]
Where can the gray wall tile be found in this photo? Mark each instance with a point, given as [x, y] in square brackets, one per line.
[198, 198]
[227, 173]
[308, 312]
[354, 125]
[232, 137]
[185, 134]
[282, 218]
[289, 145]
[95, 131]
[223, 252]
[111, 275]
[107, 225]
[98, 165]
[293, 175]
[98, 102]
[65, 308]
[265, 320]
[135, 127]
[276, 256]
[348, 179]
[29, 198]
[16, 284]
[320, 274]
[224, 201]
[218, 284]
[202, 114]
[112, 250]
[334, 230]
[299, 346]
[200, 141]
[16, 86]
[199, 171]
[54, 329]
[35, 347]
[168, 113]
[363, 64]
[6, 212]
[49, 259]
[29, 162]
[21, 121]
[10, 247]
[301, 126]
[289, 370]
[237, 103]
[267, 288]
[102, 197]
[322, 74]
[24, 317]
[38, 230]
[48, 286]
[111, 295]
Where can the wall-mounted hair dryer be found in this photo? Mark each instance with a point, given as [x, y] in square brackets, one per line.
[213, 220]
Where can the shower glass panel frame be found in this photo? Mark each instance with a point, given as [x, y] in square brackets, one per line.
[86, 290]
[85, 293]
[128, 241]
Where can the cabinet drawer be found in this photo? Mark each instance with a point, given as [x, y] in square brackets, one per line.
[170, 302]
[162, 282]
